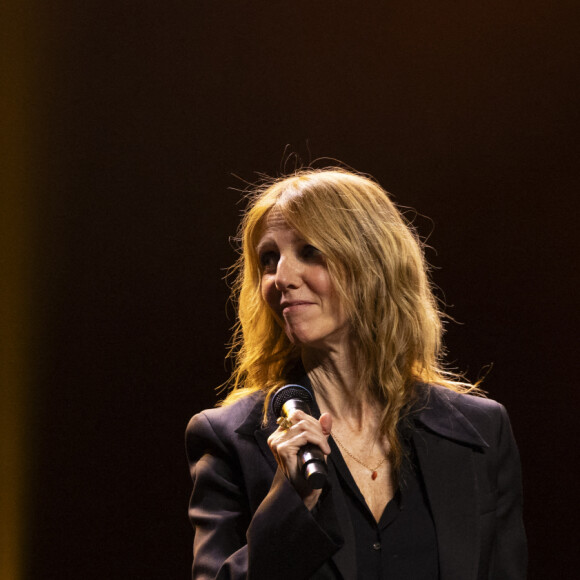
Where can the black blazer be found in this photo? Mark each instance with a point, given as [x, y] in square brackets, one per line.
[251, 524]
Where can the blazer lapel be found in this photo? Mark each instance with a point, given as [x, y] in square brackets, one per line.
[253, 426]
[445, 451]
[261, 434]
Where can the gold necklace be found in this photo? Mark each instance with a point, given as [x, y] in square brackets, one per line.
[374, 473]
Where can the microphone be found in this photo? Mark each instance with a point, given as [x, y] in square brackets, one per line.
[310, 457]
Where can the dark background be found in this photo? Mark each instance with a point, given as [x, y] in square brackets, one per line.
[143, 112]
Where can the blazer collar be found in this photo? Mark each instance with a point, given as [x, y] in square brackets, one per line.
[253, 420]
[436, 410]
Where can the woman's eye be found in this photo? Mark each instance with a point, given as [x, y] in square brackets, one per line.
[310, 252]
[269, 260]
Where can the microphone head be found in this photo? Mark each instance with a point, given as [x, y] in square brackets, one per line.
[287, 392]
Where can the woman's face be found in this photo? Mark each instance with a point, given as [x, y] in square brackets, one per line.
[297, 287]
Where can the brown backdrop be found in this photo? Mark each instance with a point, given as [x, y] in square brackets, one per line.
[140, 113]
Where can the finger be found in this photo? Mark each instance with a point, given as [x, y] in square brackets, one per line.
[308, 433]
[275, 439]
[305, 429]
[326, 423]
[298, 417]
[284, 423]
[319, 430]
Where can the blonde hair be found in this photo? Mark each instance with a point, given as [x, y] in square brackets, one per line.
[376, 263]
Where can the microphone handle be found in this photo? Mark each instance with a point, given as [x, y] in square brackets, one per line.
[311, 459]
[313, 466]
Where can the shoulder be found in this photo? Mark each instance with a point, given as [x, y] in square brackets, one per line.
[468, 418]
[472, 404]
[219, 426]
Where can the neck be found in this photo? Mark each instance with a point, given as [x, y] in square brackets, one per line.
[334, 380]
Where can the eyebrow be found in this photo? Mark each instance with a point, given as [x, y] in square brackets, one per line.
[263, 243]
[266, 241]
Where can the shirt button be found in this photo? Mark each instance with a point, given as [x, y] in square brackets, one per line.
[377, 546]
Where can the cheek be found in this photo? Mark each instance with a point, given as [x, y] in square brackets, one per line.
[322, 285]
[269, 292]
[326, 289]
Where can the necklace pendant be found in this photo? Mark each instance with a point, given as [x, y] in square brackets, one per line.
[374, 475]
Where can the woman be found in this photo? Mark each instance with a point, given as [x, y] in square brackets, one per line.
[423, 476]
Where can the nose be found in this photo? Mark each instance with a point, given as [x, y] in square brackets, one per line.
[288, 273]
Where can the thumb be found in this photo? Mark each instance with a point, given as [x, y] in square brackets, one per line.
[326, 423]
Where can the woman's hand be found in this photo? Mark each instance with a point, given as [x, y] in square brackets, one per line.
[285, 444]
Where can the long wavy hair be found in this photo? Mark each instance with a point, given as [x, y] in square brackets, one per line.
[376, 263]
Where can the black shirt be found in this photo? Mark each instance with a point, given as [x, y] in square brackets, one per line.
[403, 544]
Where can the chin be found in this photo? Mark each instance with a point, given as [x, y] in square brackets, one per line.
[301, 336]
[321, 343]
[327, 342]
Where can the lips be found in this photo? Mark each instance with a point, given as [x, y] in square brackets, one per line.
[292, 305]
